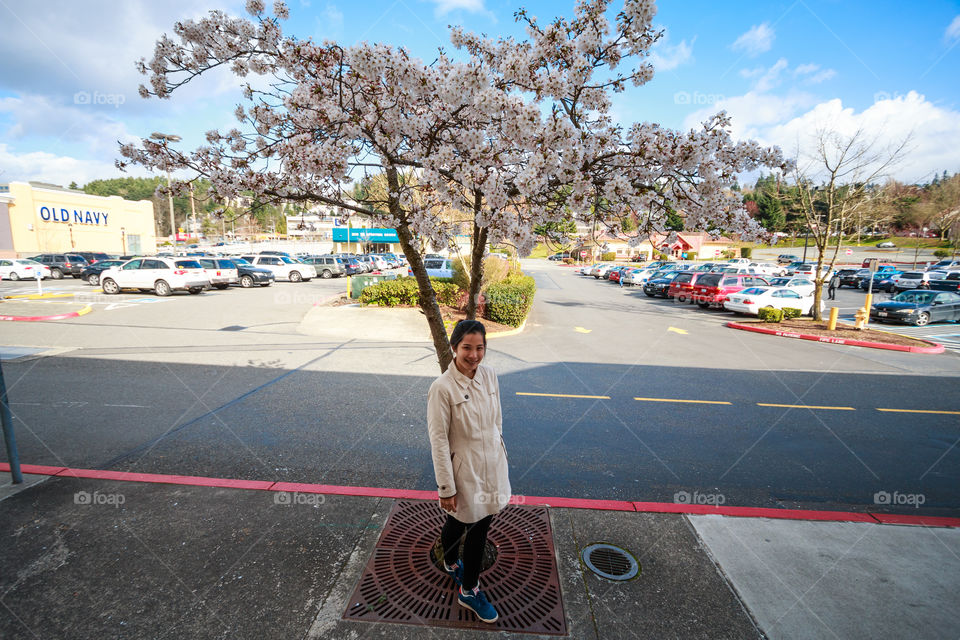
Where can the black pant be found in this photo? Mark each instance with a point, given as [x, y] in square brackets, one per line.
[473, 546]
[831, 292]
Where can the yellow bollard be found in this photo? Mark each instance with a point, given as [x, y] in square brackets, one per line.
[867, 303]
[834, 313]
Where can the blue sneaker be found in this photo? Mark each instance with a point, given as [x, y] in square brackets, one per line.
[477, 602]
[456, 573]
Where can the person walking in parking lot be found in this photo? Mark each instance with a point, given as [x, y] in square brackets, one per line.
[465, 424]
[832, 287]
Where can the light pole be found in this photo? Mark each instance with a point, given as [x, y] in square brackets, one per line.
[123, 239]
[70, 227]
[166, 139]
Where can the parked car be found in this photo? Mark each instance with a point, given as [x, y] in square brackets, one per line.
[352, 266]
[91, 273]
[327, 266]
[809, 270]
[22, 269]
[787, 258]
[888, 282]
[739, 261]
[951, 282]
[658, 285]
[249, 275]
[703, 266]
[919, 307]
[375, 263]
[803, 286]
[61, 264]
[436, 268]
[275, 253]
[768, 268]
[283, 267]
[594, 269]
[681, 287]
[886, 245]
[918, 279]
[877, 278]
[752, 299]
[849, 278]
[559, 256]
[636, 276]
[945, 265]
[614, 274]
[712, 289]
[880, 267]
[93, 256]
[221, 272]
[160, 275]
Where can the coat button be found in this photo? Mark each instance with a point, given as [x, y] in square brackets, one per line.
[466, 397]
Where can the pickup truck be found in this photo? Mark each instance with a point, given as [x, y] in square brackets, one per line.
[950, 283]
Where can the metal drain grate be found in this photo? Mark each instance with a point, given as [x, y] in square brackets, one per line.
[610, 562]
[402, 584]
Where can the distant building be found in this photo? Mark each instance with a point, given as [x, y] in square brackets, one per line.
[43, 218]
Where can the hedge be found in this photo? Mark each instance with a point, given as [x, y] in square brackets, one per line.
[746, 252]
[509, 302]
[404, 291]
[790, 312]
[609, 256]
[770, 315]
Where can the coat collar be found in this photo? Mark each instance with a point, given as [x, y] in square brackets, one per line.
[461, 379]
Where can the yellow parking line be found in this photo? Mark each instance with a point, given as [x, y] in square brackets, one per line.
[948, 413]
[561, 395]
[804, 406]
[679, 400]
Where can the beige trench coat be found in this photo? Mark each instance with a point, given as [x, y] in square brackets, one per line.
[465, 424]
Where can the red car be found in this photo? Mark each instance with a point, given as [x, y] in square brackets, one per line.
[712, 289]
[681, 289]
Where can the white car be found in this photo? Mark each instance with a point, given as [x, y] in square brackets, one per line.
[436, 268]
[915, 279]
[739, 261]
[160, 275]
[284, 267]
[221, 272]
[21, 269]
[768, 268]
[752, 299]
[638, 277]
[803, 286]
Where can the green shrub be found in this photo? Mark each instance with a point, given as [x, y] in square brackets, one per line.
[728, 254]
[790, 312]
[942, 253]
[770, 315]
[494, 270]
[691, 255]
[609, 256]
[745, 252]
[404, 292]
[662, 255]
[509, 302]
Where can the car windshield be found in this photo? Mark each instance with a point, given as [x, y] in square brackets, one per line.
[289, 260]
[753, 291]
[31, 263]
[239, 260]
[916, 297]
[779, 282]
[188, 264]
[912, 275]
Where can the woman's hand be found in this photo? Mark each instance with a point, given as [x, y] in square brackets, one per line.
[449, 504]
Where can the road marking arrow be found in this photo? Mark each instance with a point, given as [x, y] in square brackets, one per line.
[582, 330]
[682, 332]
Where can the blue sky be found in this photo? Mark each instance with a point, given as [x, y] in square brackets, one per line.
[781, 69]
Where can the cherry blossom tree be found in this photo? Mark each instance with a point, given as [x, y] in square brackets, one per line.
[517, 133]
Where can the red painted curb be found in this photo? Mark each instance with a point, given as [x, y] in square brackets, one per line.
[555, 502]
[935, 348]
[59, 316]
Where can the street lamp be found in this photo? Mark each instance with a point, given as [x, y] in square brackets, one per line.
[123, 239]
[70, 227]
[166, 139]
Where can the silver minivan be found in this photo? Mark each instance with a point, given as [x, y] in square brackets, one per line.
[327, 266]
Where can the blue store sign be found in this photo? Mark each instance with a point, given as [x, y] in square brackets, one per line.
[365, 235]
[74, 216]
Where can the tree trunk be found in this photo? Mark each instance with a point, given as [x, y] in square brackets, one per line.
[428, 297]
[476, 263]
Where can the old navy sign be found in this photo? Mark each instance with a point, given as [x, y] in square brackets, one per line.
[74, 216]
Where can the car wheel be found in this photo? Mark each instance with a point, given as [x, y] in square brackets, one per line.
[246, 281]
[56, 274]
[162, 288]
[703, 305]
[14, 276]
[295, 276]
[650, 295]
[110, 287]
[93, 279]
[681, 299]
[265, 284]
[923, 318]
[326, 274]
[221, 285]
[76, 276]
[195, 290]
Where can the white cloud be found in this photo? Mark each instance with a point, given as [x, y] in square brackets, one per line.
[771, 77]
[443, 7]
[48, 167]
[666, 57]
[330, 21]
[756, 40]
[813, 74]
[953, 31]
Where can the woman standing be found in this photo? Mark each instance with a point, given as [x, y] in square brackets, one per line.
[469, 460]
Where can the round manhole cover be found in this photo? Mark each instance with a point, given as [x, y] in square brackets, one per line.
[610, 562]
[489, 555]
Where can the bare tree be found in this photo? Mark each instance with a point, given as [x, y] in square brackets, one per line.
[834, 184]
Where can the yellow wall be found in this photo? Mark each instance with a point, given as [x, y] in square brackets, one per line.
[97, 223]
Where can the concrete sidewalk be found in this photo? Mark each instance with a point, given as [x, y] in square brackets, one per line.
[84, 558]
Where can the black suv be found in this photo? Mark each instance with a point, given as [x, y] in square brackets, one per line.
[93, 256]
[62, 264]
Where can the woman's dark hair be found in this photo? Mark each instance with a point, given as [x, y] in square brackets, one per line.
[463, 327]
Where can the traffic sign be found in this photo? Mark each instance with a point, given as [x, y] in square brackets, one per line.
[849, 252]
